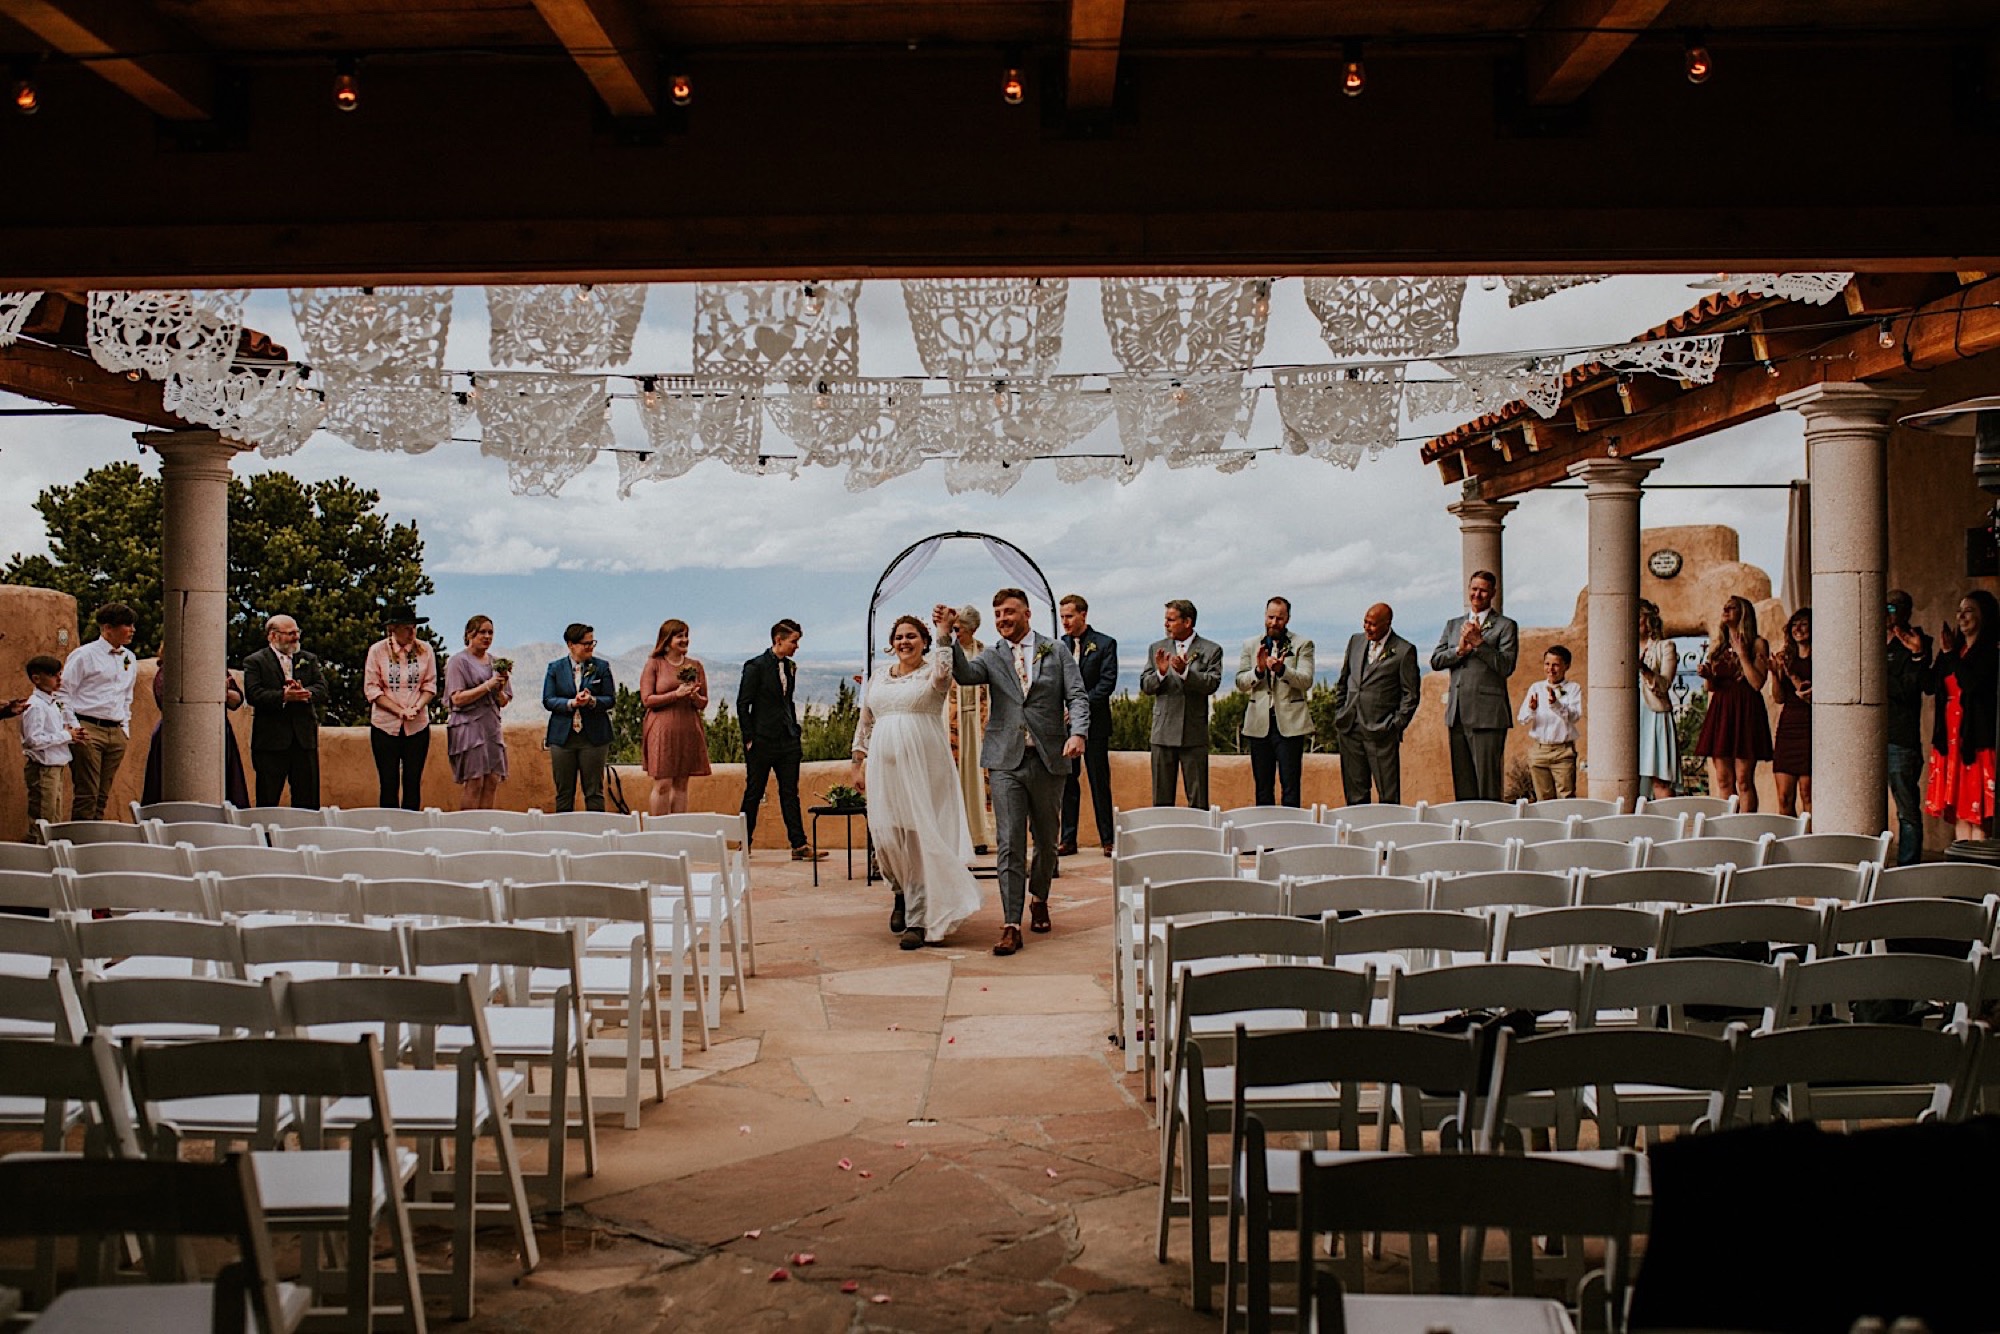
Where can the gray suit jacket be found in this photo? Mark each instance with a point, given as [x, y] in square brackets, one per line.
[1377, 700]
[1055, 687]
[1478, 693]
[1180, 704]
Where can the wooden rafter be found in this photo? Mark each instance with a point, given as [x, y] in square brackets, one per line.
[130, 47]
[1573, 42]
[605, 40]
[1095, 29]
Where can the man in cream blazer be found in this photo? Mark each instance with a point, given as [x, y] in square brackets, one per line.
[1276, 672]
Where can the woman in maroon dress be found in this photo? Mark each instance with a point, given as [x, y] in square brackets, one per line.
[1959, 786]
[1791, 685]
[234, 789]
[1736, 733]
[673, 689]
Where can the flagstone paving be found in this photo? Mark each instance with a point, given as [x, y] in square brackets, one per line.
[950, 1134]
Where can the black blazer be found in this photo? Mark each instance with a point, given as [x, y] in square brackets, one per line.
[1097, 659]
[1978, 677]
[769, 719]
[277, 724]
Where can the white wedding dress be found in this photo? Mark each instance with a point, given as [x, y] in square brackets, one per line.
[914, 809]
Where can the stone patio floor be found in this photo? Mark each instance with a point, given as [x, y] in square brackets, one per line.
[950, 1133]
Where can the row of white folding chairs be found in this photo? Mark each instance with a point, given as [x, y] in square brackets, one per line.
[382, 817]
[1473, 811]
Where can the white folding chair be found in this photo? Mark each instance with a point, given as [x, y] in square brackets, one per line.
[1756, 923]
[201, 834]
[281, 817]
[1150, 817]
[1391, 941]
[1936, 880]
[677, 933]
[1568, 936]
[1660, 992]
[1473, 810]
[552, 840]
[1446, 859]
[261, 898]
[246, 861]
[1184, 902]
[194, 1009]
[85, 833]
[304, 950]
[1356, 893]
[373, 863]
[1834, 1072]
[41, 1008]
[34, 891]
[174, 812]
[429, 902]
[142, 945]
[1750, 824]
[1626, 828]
[1949, 987]
[1365, 815]
[507, 822]
[1579, 854]
[1279, 834]
[719, 902]
[1703, 854]
[1890, 926]
[30, 946]
[1317, 861]
[1234, 940]
[138, 892]
[1832, 848]
[326, 838]
[1129, 875]
[1527, 829]
[476, 868]
[1691, 806]
[1847, 884]
[1171, 838]
[1500, 889]
[1565, 808]
[378, 817]
[734, 832]
[590, 822]
[440, 840]
[1245, 816]
[38, 857]
[122, 858]
[1403, 835]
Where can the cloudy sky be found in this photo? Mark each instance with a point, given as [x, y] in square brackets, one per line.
[730, 553]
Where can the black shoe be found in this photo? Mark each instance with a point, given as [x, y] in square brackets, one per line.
[913, 939]
[896, 920]
[1038, 915]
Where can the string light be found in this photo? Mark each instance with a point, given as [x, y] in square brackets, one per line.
[811, 302]
[1012, 90]
[1694, 59]
[649, 391]
[1353, 74]
[1770, 368]
[1263, 303]
[1886, 333]
[680, 89]
[346, 85]
[27, 97]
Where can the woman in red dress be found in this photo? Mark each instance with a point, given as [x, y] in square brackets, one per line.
[1959, 786]
[1736, 732]
[1791, 689]
[673, 689]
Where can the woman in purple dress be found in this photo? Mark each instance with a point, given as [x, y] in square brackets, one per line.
[478, 688]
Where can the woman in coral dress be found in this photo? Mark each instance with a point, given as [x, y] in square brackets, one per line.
[673, 689]
[1736, 733]
[902, 759]
[1959, 786]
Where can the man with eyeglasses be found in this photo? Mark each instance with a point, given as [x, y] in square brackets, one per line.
[286, 690]
[578, 692]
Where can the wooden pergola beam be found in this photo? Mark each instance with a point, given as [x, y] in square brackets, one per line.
[1096, 27]
[57, 375]
[605, 40]
[130, 47]
[1573, 42]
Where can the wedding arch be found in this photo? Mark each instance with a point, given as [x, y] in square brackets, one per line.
[914, 559]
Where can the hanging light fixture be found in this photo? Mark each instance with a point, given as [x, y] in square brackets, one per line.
[1885, 333]
[680, 88]
[1353, 74]
[27, 97]
[1694, 58]
[1013, 91]
[346, 84]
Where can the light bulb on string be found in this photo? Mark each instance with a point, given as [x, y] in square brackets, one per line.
[27, 97]
[346, 84]
[1886, 333]
[1353, 74]
[811, 303]
[1490, 283]
[1178, 394]
[680, 89]
[1263, 302]
[649, 392]
[1013, 91]
[1695, 60]
[585, 294]
[1771, 368]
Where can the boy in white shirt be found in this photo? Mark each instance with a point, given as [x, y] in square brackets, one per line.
[1550, 712]
[47, 729]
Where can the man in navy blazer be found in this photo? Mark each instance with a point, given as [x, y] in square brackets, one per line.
[578, 693]
[1096, 655]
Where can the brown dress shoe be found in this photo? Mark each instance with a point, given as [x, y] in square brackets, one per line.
[1107, 849]
[803, 853]
[1065, 849]
[1009, 942]
[1038, 915]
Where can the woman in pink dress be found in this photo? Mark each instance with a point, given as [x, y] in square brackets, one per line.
[673, 689]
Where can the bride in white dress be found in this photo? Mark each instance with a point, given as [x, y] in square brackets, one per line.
[902, 760]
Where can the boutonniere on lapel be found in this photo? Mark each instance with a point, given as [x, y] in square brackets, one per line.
[1089, 647]
[1043, 649]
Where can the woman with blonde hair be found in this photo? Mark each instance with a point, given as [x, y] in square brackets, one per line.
[673, 689]
[479, 689]
[1736, 734]
[1659, 746]
[902, 759]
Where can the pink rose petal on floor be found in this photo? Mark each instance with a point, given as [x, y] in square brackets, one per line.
[982, 988]
[850, 1286]
[743, 1130]
[845, 1164]
[754, 1233]
[864, 1173]
[902, 1144]
[780, 1275]
[949, 1041]
[803, 1258]
[1051, 1171]
[880, 1299]
[895, 1028]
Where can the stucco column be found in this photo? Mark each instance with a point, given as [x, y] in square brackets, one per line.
[1479, 525]
[1847, 434]
[1611, 692]
[194, 559]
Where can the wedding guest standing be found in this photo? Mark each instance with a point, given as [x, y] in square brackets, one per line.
[1960, 786]
[98, 678]
[49, 731]
[1908, 681]
[235, 791]
[479, 688]
[1478, 649]
[399, 680]
[1373, 703]
[1096, 655]
[286, 690]
[1276, 671]
[578, 692]
[1182, 671]
[673, 689]
[1550, 711]
[970, 702]
[1791, 747]
[767, 707]
[1659, 745]
[1736, 733]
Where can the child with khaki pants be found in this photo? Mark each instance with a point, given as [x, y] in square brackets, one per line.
[1550, 712]
[47, 729]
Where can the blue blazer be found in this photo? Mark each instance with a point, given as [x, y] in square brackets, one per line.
[559, 687]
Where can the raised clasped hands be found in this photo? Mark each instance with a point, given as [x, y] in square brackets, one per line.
[1163, 661]
[1470, 637]
[1073, 748]
[944, 618]
[295, 691]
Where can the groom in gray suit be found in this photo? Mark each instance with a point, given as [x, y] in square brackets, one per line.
[1039, 716]
[1478, 649]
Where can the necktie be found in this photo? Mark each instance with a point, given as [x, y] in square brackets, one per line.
[789, 671]
[1374, 652]
[1021, 665]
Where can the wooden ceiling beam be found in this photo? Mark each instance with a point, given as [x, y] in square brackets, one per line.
[57, 375]
[1096, 27]
[608, 44]
[130, 47]
[1572, 43]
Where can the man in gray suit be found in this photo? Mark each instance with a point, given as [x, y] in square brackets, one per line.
[1373, 703]
[1032, 684]
[1478, 649]
[1181, 672]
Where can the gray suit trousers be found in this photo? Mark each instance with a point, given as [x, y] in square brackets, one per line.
[1371, 760]
[1478, 763]
[1027, 796]
[1191, 764]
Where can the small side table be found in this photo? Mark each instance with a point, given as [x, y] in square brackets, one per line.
[846, 815]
